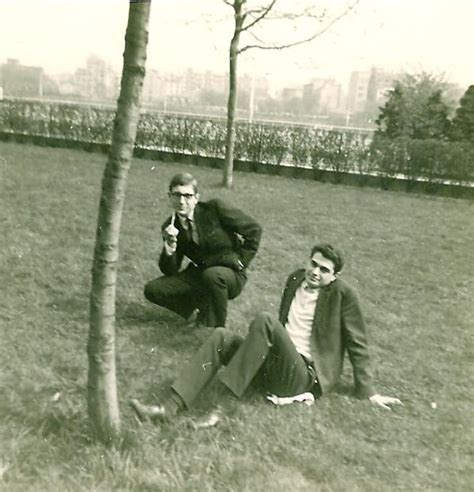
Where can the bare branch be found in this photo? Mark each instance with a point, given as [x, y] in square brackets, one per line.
[227, 2]
[308, 12]
[261, 41]
[301, 41]
[258, 11]
[257, 19]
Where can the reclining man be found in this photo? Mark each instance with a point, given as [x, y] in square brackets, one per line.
[320, 319]
[220, 241]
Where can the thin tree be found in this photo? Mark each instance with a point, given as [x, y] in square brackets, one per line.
[244, 20]
[102, 388]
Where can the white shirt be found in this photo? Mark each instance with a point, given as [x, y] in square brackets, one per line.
[300, 319]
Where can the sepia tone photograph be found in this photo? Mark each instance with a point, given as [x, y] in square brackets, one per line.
[236, 245]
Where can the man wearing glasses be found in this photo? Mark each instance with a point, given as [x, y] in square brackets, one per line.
[218, 240]
[297, 357]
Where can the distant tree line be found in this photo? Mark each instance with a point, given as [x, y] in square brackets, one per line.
[432, 158]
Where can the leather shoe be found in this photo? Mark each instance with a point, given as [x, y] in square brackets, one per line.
[148, 412]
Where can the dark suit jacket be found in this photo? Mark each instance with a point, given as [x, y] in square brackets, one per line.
[338, 326]
[227, 237]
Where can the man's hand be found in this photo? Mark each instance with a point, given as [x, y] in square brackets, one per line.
[385, 401]
[170, 236]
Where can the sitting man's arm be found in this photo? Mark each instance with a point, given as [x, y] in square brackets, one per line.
[355, 339]
[357, 348]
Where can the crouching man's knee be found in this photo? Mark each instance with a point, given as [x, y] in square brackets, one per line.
[147, 292]
[151, 292]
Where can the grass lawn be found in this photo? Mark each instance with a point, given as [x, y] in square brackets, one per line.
[410, 256]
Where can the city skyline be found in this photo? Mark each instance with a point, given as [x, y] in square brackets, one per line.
[433, 36]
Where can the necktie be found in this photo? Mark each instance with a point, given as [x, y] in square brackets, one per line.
[192, 234]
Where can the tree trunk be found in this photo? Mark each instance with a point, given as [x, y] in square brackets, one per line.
[101, 388]
[232, 99]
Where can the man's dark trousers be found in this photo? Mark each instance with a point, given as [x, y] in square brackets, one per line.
[207, 289]
[266, 352]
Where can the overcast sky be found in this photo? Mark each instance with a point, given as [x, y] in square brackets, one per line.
[401, 35]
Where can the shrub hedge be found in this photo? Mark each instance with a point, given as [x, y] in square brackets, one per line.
[276, 144]
[427, 159]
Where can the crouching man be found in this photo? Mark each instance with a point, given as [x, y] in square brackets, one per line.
[219, 240]
[303, 351]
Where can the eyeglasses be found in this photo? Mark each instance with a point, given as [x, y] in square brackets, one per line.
[177, 195]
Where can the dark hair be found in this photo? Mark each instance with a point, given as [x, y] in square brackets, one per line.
[330, 253]
[183, 179]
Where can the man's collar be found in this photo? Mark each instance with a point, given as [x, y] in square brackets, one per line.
[186, 217]
[307, 288]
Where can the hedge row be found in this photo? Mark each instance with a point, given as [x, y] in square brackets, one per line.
[427, 159]
[338, 151]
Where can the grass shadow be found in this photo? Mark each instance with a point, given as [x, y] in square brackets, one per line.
[144, 313]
